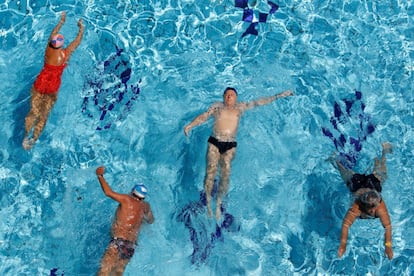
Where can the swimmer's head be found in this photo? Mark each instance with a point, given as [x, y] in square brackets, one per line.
[57, 41]
[230, 88]
[139, 191]
[370, 199]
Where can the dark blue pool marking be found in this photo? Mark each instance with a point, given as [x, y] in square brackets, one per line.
[54, 271]
[114, 103]
[254, 17]
[349, 147]
[193, 215]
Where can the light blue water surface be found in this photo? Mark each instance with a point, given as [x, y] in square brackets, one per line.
[286, 199]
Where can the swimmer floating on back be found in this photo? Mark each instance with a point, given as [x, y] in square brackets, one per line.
[222, 143]
[368, 202]
[46, 86]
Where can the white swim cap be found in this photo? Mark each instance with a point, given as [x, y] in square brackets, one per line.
[140, 191]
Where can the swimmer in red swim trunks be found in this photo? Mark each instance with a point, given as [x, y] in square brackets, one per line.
[222, 143]
[132, 211]
[46, 86]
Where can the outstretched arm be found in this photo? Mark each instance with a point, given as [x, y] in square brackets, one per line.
[349, 219]
[382, 213]
[199, 120]
[267, 100]
[58, 26]
[74, 44]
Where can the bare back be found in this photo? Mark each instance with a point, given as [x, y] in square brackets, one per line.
[55, 57]
[129, 216]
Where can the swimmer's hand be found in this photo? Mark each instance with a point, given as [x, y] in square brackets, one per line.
[341, 249]
[284, 94]
[80, 25]
[100, 170]
[187, 130]
[388, 252]
[63, 17]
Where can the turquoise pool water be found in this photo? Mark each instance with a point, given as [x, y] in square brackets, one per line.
[170, 60]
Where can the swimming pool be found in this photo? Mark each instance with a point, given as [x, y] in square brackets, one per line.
[286, 200]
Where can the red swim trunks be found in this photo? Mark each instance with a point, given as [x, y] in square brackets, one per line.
[49, 79]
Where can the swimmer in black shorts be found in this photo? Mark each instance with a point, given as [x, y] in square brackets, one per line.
[368, 202]
[126, 249]
[222, 143]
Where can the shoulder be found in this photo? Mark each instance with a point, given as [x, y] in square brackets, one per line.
[243, 106]
[382, 208]
[145, 207]
[216, 106]
[123, 199]
[354, 209]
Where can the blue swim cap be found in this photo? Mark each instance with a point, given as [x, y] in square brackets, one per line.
[140, 191]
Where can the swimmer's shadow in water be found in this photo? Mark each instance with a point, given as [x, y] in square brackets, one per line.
[202, 236]
[349, 145]
[109, 95]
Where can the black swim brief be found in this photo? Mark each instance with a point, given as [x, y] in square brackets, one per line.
[222, 146]
[125, 248]
[359, 181]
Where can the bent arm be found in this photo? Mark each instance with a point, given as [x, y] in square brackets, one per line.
[75, 43]
[106, 188]
[349, 219]
[386, 223]
[149, 217]
[267, 100]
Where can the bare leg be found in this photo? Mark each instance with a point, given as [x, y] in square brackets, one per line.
[380, 167]
[41, 105]
[120, 267]
[109, 261]
[30, 120]
[346, 174]
[225, 165]
[213, 156]
[48, 101]
[32, 117]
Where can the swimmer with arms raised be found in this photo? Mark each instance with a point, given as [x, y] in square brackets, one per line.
[222, 143]
[46, 86]
[131, 212]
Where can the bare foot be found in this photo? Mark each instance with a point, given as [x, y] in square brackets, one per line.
[332, 159]
[27, 143]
